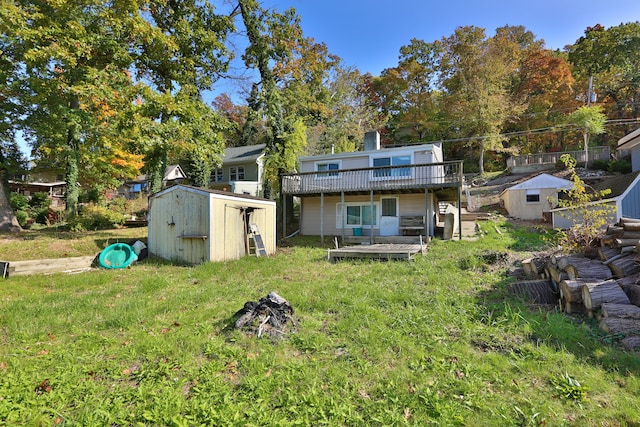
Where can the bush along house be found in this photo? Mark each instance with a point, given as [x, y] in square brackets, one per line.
[376, 192]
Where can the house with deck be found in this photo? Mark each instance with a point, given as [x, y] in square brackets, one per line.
[376, 192]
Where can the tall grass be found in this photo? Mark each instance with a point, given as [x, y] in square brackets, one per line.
[437, 341]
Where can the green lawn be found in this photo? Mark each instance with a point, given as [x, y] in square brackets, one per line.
[437, 341]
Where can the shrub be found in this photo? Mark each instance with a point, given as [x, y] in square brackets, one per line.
[23, 218]
[40, 200]
[18, 202]
[93, 217]
[620, 166]
[601, 165]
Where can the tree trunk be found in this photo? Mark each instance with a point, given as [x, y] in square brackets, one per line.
[586, 268]
[623, 311]
[624, 266]
[571, 290]
[596, 294]
[8, 221]
[614, 325]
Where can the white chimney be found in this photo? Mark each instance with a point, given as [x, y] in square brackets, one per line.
[371, 140]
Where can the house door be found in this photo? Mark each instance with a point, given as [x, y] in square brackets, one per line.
[389, 221]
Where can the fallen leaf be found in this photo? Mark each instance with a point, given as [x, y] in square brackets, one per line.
[43, 352]
[3, 365]
[268, 373]
[407, 413]
[126, 371]
[51, 336]
[364, 394]
[43, 387]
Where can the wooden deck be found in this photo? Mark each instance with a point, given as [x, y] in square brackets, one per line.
[380, 252]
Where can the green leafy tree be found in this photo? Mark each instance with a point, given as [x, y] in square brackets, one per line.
[591, 120]
[182, 55]
[267, 97]
[72, 61]
[475, 74]
[610, 57]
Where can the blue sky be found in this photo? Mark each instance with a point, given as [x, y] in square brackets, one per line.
[368, 34]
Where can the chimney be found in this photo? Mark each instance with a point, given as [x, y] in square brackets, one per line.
[371, 140]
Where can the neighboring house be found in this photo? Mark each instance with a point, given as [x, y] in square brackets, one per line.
[135, 188]
[371, 192]
[41, 179]
[56, 190]
[631, 142]
[241, 170]
[624, 197]
[530, 199]
[195, 225]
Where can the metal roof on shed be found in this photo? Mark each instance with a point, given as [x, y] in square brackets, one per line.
[542, 181]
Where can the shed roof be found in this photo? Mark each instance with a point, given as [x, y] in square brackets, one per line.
[542, 181]
[630, 140]
[243, 154]
[210, 191]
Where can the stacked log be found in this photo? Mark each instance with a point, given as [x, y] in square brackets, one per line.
[624, 265]
[598, 293]
[571, 295]
[606, 286]
[580, 267]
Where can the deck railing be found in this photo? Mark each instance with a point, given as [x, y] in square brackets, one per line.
[381, 178]
[595, 153]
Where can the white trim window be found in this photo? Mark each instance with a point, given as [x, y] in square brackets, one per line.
[358, 215]
[399, 159]
[218, 175]
[533, 196]
[329, 169]
[236, 173]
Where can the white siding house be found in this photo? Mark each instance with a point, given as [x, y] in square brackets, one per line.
[370, 192]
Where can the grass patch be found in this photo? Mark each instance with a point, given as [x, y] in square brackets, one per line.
[437, 341]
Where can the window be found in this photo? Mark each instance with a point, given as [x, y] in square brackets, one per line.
[236, 173]
[398, 160]
[218, 175]
[389, 207]
[533, 196]
[358, 215]
[330, 168]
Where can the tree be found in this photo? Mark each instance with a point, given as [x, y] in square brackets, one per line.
[610, 57]
[545, 85]
[408, 93]
[591, 120]
[262, 51]
[475, 74]
[183, 54]
[72, 64]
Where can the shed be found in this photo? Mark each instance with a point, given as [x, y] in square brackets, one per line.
[624, 197]
[530, 199]
[631, 142]
[195, 225]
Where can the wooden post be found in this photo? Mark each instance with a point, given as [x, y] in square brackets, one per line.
[460, 208]
[371, 219]
[342, 213]
[322, 217]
